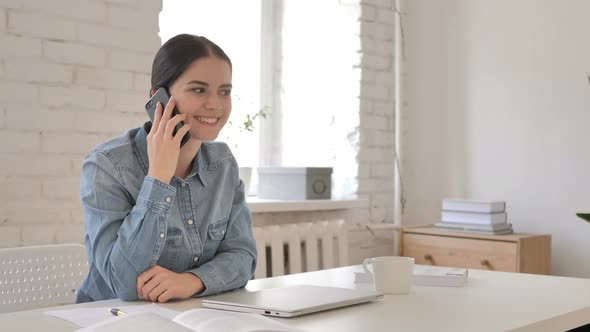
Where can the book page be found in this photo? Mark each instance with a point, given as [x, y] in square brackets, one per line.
[89, 316]
[143, 321]
[211, 320]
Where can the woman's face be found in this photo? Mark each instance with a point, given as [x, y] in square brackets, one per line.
[203, 92]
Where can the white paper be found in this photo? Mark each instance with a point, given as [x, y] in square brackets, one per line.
[88, 316]
[142, 321]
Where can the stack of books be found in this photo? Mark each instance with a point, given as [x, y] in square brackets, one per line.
[485, 217]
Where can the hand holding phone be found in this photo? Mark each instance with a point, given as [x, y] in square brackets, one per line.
[164, 138]
[163, 97]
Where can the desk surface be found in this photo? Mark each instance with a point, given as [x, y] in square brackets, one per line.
[491, 301]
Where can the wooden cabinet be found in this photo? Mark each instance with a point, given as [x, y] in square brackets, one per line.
[527, 253]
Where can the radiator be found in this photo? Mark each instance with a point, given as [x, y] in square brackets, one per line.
[300, 247]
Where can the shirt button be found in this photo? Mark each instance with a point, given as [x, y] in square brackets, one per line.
[195, 259]
[190, 222]
[223, 231]
[183, 184]
[162, 235]
[168, 199]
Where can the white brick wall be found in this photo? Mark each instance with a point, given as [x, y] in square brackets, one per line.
[20, 187]
[127, 101]
[376, 127]
[12, 91]
[10, 236]
[28, 117]
[135, 61]
[39, 24]
[2, 19]
[12, 141]
[19, 46]
[77, 97]
[104, 78]
[32, 70]
[72, 143]
[67, 187]
[74, 53]
[72, 74]
[35, 164]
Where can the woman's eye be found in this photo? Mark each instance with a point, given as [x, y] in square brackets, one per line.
[199, 90]
[225, 92]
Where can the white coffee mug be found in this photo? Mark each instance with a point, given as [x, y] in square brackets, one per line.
[391, 274]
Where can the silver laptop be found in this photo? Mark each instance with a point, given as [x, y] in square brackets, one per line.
[290, 301]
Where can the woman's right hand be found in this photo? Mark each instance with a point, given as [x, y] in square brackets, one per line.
[164, 148]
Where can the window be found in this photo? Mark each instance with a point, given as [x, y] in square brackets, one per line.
[235, 26]
[298, 59]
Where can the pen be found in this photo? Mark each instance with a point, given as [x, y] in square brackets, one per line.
[116, 312]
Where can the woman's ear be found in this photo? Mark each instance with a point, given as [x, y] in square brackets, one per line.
[152, 91]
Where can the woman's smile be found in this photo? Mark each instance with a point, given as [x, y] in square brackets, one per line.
[206, 120]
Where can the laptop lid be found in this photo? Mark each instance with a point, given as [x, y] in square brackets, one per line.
[290, 301]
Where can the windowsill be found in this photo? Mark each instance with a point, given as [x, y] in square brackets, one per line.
[258, 205]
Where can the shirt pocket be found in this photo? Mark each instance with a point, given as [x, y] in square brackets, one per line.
[216, 230]
[173, 237]
[169, 258]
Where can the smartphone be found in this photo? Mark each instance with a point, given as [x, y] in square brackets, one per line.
[163, 97]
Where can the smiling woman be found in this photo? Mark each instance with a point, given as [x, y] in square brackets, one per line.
[206, 101]
[163, 221]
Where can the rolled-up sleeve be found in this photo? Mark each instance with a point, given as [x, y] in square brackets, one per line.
[119, 230]
[235, 260]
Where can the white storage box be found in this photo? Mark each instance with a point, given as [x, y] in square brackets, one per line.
[295, 183]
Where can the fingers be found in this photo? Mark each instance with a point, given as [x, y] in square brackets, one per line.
[143, 278]
[148, 289]
[167, 115]
[157, 117]
[155, 293]
[172, 124]
[181, 132]
[166, 296]
[158, 284]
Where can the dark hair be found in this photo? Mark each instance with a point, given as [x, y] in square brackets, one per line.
[178, 53]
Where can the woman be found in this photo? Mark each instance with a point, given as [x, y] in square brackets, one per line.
[162, 221]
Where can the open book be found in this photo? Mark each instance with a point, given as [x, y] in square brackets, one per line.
[197, 320]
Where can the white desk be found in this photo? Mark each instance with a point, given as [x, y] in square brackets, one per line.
[491, 301]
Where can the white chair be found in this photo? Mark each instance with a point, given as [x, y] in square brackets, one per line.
[310, 246]
[41, 276]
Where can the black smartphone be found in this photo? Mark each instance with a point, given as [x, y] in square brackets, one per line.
[163, 97]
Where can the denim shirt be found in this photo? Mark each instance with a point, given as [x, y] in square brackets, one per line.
[132, 221]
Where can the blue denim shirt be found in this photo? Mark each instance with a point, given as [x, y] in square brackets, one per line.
[200, 224]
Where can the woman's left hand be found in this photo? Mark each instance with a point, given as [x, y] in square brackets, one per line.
[158, 284]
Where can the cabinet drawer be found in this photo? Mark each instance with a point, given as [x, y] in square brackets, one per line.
[460, 252]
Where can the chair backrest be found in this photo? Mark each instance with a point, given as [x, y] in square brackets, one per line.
[310, 246]
[40, 276]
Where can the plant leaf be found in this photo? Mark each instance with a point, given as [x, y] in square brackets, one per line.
[585, 216]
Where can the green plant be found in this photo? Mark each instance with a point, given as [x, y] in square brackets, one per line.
[585, 216]
[247, 123]
[244, 124]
